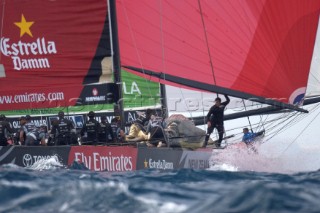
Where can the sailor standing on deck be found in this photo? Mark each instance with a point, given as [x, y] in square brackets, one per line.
[91, 128]
[118, 133]
[105, 134]
[4, 128]
[23, 130]
[215, 118]
[62, 130]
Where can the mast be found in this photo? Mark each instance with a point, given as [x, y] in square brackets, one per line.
[163, 96]
[118, 107]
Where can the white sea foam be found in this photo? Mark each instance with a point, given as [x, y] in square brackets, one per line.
[269, 158]
[47, 164]
[158, 205]
[223, 167]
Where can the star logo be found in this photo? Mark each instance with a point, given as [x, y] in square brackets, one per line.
[145, 163]
[24, 26]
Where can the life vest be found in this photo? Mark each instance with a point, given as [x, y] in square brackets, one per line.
[64, 126]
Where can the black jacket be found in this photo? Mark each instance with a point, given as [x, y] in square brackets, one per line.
[92, 128]
[62, 127]
[216, 114]
[5, 126]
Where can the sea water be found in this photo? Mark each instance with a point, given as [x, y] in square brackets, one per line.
[49, 186]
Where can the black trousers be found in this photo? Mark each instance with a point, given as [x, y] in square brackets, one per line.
[157, 134]
[220, 130]
[63, 140]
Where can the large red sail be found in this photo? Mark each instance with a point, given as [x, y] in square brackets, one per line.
[51, 51]
[250, 49]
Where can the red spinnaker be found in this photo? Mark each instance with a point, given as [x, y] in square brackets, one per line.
[258, 48]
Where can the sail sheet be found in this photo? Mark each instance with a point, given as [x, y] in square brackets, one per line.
[259, 49]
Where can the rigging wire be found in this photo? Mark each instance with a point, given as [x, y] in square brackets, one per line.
[293, 116]
[301, 117]
[237, 137]
[261, 124]
[300, 133]
[285, 118]
[271, 125]
[290, 121]
[245, 108]
[136, 48]
[207, 43]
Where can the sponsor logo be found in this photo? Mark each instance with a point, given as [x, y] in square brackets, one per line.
[198, 164]
[297, 97]
[110, 162]
[95, 96]
[28, 55]
[28, 160]
[94, 92]
[160, 164]
[92, 99]
[195, 160]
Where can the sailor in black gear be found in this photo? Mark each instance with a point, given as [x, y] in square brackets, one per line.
[5, 128]
[105, 135]
[23, 130]
[215, 119]
[118, 133]
[92, 128]
[62, 130]
[156, 129]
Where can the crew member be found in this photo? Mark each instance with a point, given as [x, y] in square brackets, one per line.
[23, 130]
[155, 128]
[91, 128]
[118, 133]
[215, 118]
[62, 130]
[105, 135]
[249, 137]
[4, 128]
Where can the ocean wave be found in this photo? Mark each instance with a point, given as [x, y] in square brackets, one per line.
[148, 191]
